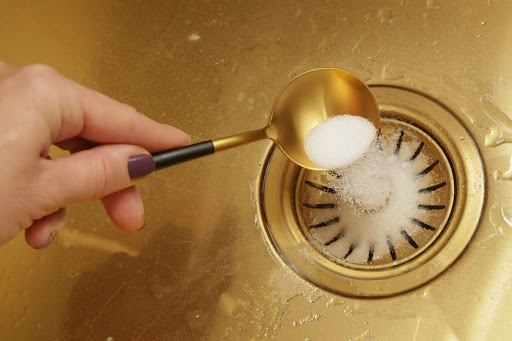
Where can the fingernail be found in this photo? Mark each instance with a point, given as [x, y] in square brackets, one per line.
[48, 242]
[140, 165]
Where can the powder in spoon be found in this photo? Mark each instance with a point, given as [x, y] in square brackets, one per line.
[339, 141]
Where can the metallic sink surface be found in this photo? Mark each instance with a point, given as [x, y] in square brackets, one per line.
[202, 269]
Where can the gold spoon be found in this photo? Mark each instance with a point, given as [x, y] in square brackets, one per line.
[302, 103]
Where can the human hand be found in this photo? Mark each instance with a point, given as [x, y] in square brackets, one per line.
[40, 107]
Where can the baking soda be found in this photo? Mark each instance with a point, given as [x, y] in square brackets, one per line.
[380, 196]
[382, 184]
[339, 141]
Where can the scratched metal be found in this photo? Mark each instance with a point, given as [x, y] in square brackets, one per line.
[201, 269]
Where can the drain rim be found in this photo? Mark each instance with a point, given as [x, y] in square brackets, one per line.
[294, 250]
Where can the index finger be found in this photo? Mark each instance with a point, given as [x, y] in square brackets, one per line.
[106, 120]
[70, 110]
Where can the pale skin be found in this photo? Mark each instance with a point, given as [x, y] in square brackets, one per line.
[38, 108]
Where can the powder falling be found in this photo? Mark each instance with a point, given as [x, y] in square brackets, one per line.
[379, 181]
[376, 198]
[339, 141]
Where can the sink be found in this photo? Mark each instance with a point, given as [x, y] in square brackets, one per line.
[210, 263]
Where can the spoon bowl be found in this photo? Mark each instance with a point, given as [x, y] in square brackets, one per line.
[311, 98]
[302, 103]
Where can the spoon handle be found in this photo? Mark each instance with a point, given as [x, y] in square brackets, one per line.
[175, 156]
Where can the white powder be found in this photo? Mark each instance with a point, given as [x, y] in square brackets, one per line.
[339, 140]
[366, 184]
[381, 184]
[380, 192]
[376, 198]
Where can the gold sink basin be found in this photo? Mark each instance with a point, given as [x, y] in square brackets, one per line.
[208, 265]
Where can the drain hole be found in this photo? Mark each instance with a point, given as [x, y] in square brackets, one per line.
[383, 209]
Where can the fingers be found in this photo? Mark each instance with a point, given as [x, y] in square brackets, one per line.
[75, 144]
[93, 173]
[124, 206]
[125, 209]
[69, 110]
[41, 233]
[101, 114]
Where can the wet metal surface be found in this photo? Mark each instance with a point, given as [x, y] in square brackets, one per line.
[201, 269]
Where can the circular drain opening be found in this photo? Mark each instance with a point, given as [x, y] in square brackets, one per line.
[419, 186]
[324, 239]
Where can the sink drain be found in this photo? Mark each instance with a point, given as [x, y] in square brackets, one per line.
[376, 236]
[388, 246]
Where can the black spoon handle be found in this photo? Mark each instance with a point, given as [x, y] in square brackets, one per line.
[175, 156]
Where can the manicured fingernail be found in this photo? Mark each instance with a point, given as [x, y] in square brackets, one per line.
[48, 242]
[140, 165]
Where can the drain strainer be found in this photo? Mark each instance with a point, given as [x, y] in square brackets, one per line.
[417, 192]
[432, 198]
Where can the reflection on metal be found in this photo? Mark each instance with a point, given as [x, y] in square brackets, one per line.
[213, 68]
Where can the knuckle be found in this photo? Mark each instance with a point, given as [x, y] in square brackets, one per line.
[134, 117]
[37, 78]
[100, 171]
[130, 111]
[38, 70]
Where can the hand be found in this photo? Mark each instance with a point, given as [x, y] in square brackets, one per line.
[40, 107]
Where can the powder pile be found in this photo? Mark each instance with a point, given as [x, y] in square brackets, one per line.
[381, 182]
[339, 141]
[380, 192]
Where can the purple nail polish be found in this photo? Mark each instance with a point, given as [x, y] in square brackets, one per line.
[48, 242]
[140, 165]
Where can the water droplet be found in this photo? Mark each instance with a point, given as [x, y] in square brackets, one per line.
[74, 271]
[193, 37]
[433, 4]
[386, 16]
[334, 302]
[502, 130]
[391, 71]
[228, 331]
[506, 213]
[366, 47]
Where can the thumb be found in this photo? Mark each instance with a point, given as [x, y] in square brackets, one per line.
[96, 173]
